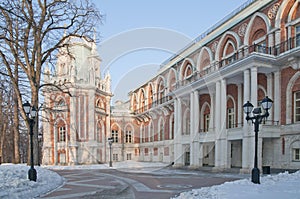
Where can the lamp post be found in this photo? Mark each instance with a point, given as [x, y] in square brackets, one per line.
[30, 116]
[256, 120]
[40, 137]
[110, 141]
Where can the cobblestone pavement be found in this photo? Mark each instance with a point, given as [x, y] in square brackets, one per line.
[111, 184]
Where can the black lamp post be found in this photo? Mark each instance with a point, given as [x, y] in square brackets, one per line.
[31, 114]
[40, 137]
[256, 120]
[110, 141]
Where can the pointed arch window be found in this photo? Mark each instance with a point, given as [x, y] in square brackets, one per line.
[172, 123]
[142, 134]
[230, 118]
[188, 71]
[100, 104]
[128, 135]
[161, 90]
[61, 102]
[151, 132]
[115, 135]
[206, 122]
[142, 101]
[62, 133]
[161, 135]
[186, 123]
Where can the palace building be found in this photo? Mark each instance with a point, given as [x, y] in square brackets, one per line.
[191, 112]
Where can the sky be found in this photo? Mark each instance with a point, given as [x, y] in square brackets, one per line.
[136, 36]
[14, 182]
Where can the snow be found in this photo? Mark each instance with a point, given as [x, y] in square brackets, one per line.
[14, 182]
[283, 185]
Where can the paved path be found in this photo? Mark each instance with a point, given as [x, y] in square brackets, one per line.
[111, 184]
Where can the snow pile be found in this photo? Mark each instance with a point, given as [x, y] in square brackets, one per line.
[279, 186]
[14, 182]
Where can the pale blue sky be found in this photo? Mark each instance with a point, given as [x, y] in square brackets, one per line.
[138, 36]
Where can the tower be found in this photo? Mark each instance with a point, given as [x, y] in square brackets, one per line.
[78, 112]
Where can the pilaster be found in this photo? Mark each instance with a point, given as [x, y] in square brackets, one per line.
[178, 148]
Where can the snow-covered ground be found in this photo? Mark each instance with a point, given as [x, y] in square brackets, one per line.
[14, 183]
[283, 185]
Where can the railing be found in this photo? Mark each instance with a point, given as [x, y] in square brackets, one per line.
[276, 50]
[242, 54]
[153, 104]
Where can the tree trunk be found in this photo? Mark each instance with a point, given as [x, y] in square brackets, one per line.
[2, 127]
[16, 135]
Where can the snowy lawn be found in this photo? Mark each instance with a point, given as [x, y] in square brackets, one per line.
[278, 186]
[14, 183]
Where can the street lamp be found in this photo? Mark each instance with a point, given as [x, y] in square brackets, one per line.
[256, 120]
[30, 116]
[40, 138]
[110, 141]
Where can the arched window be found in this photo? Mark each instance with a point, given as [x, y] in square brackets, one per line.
[150, 96]
[161, 92]
[188, 71]
[142, 101]
[171, 131]
[205, 115]
[151, 132]
[61, 102]
[128, 135]
[142, 134]
[186, 123]
[161, 135]
[115, 134]
[100, 104]
[230, 113]
[62, 134]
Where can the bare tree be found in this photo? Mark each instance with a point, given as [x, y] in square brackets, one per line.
[31, 32]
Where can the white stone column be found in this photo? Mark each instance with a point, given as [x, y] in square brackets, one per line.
[240, 112]
[254, 86]
[212, 121]
[196, 112]
[178, 149]
[194, 150]
[217, 125]
[277, 96]
[217, 108]
[247, 153]
[270, 92]
[192, 110]
[254, 99]
[223, 108]
[221, 140]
